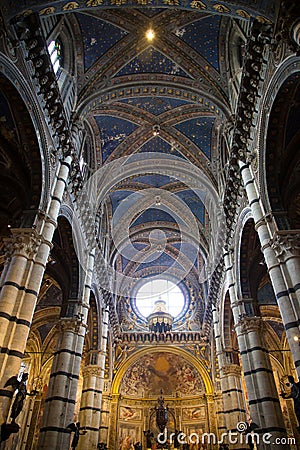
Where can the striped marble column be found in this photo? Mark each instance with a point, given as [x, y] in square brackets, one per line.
[62, 390]
[61, 396]
[234, 410]
[262, 393]
[295, 32]
[282, 260]
[20, 285]
[91, 400]
[105, 417]
[90, 406]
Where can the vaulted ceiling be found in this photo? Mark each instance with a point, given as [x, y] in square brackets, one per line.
[169, 96]
[166, 102]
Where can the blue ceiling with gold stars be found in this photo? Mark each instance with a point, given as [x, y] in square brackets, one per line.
[163, 260]
[113, 131]
[203, 37]
[193, 199]
[155, 105]
[155, 214]
[154, 180]
[199, 131]
[157, 144]
[186, 54]
[194, 202]
[116, 197]
[152, 61]
[93, 30]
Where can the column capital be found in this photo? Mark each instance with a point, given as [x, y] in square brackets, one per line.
[72, 324]
[248, 324]
[92, 371]
[23, 242]
[286, 244]
[231, 369]
[209, 397]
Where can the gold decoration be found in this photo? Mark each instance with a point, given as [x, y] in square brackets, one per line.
[263, 19]
[221, 8]
[232, 369]
[27, 13]
[143, 2]
[118, 2]
[243, 13]
[197, 4]
[71, 5]
[92, 371]
[171, 2]
[94, 2]
[49, 10]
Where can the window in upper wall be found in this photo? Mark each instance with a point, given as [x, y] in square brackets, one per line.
[55, 52]
[162, 289]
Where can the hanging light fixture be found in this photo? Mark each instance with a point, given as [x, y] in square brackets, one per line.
[150, 35]
[156, 130]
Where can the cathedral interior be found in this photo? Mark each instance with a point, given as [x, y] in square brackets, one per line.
[149, 224]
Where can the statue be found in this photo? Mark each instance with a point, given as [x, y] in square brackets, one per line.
[295, 395]
[7, 429]
[102, 446]
[176, 441]
[161, 413]
[20, 386]
[75, 427]
[251, 426]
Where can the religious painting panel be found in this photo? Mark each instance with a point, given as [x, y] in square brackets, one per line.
[162, 371]
[127, 413]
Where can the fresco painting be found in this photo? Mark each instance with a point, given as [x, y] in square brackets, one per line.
[162, 371]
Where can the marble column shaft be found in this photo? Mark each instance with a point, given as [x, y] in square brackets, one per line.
[283, 264]
[61, 396]
[20, 284]
[91, 400]
[62, 390]
[234, 410]
[262, 393]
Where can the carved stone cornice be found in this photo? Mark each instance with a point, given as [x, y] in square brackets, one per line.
[286, 244]
[23, 242]
[177, 337]
[29, 31]
[245, 117]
